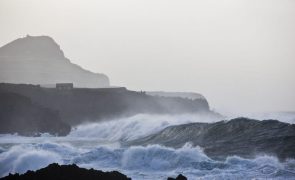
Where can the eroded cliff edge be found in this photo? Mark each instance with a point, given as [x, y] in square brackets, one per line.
[80, 105]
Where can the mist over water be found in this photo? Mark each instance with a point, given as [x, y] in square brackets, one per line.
[97, 145]
[136, 126]
[287, 117]
[238, 53]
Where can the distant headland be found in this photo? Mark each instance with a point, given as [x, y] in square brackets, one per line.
[40, 60]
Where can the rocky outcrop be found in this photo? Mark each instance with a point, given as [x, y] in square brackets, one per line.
[179, 177]
[19, 115]
[79, 105]
[73, 172]
[243, 137]
[64, 172]
[39, 60]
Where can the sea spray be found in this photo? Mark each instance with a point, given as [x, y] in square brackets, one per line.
[153, 161]
[135, 126]
[97, 146]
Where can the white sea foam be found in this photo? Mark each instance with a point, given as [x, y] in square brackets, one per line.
[97, 146]
[153, 162]
[22, 158]
[136, 126]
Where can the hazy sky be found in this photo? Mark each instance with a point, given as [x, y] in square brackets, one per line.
[240, 54]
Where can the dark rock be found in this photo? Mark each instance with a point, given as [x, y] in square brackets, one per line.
[80, 104]
[19, 115]
[67, 172]
[72, 172]
[179, 177]
[243, 137]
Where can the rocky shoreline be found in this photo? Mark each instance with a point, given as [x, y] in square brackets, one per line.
[73, 172]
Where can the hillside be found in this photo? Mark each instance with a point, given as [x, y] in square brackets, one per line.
[39, 60]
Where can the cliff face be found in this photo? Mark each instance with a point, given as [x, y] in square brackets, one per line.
[187, 95]
[19, 115]
[80, 105]
[243, 137]
[39, 60]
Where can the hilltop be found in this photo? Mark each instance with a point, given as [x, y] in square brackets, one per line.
[40, 60]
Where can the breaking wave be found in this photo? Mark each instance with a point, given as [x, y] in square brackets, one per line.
[97, 146]
[153, 162]
[136, 126]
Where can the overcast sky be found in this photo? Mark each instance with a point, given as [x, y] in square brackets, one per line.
[240, 54]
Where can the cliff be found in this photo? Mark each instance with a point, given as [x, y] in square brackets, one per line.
[186, 95]
[19, 115]
[39, 60]
[243, 137]
[80, 105]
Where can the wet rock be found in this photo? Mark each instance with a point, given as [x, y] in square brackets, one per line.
[179, 177]
[67, 172]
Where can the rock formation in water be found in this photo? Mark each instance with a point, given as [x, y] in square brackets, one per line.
[243, 137]
[80, 105]
[72, 172]
[67, 172]
[39, 60]
[19, 115]
[179, 177]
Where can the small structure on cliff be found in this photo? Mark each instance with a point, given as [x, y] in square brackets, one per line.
[64, 86]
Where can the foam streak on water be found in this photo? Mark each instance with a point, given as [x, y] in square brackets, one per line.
[98, 146]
